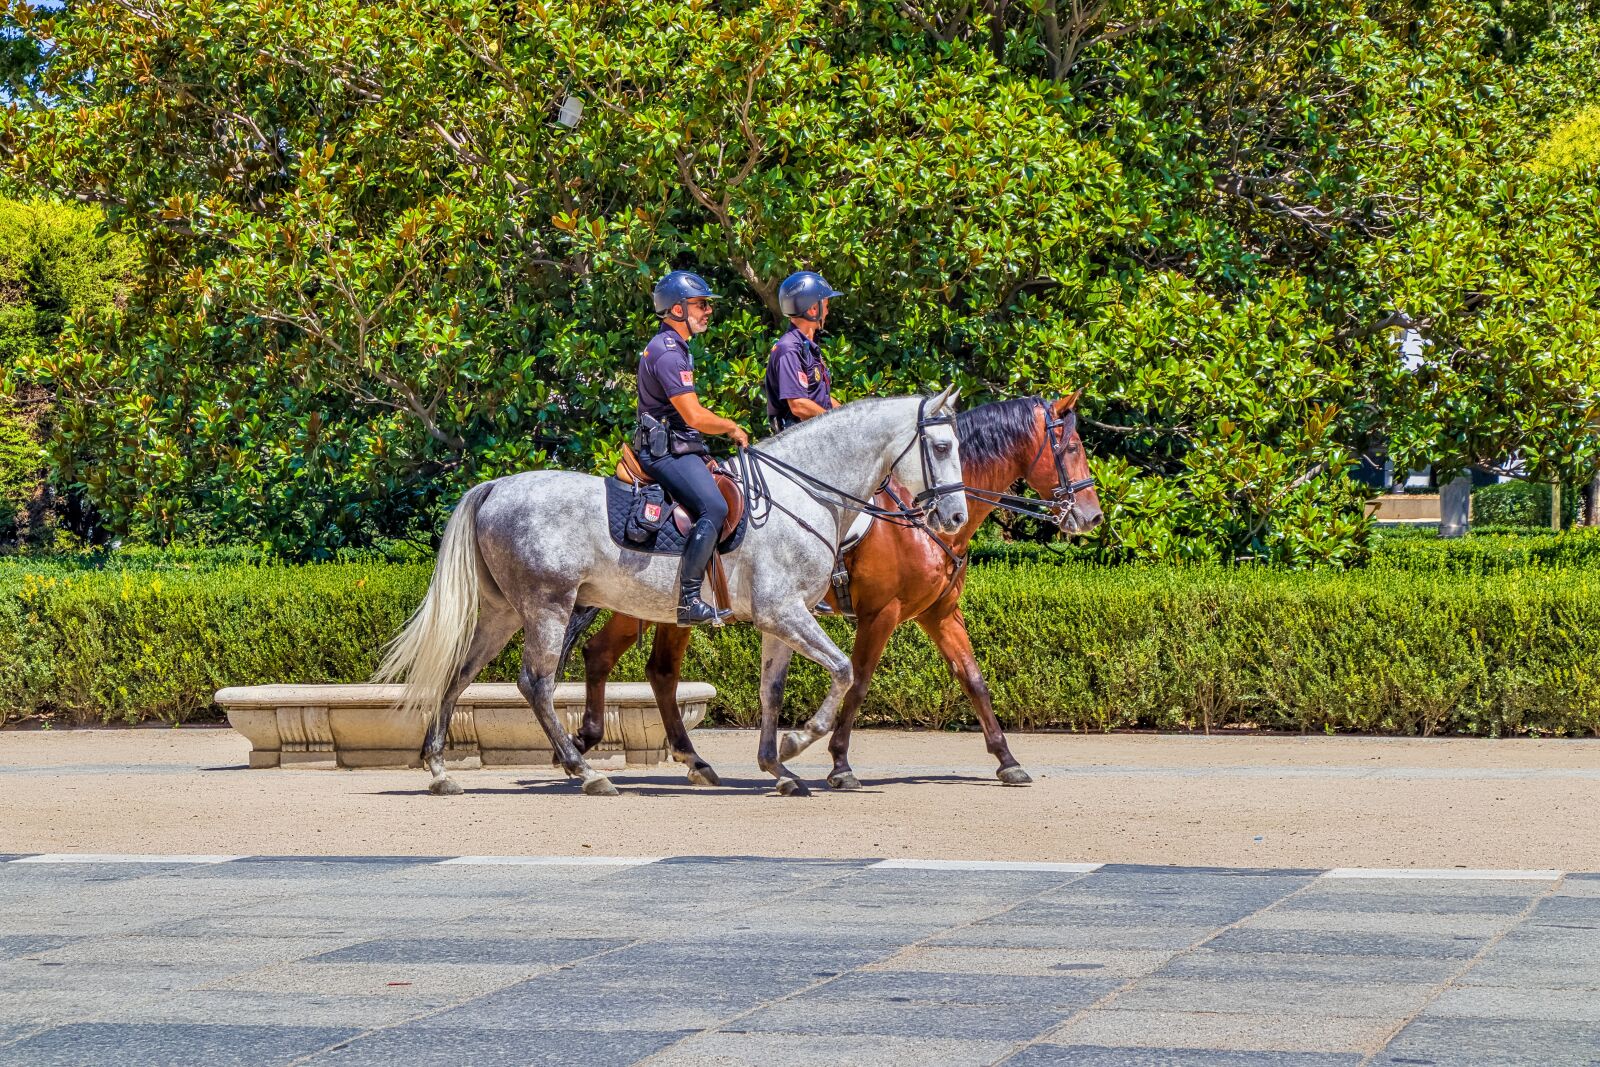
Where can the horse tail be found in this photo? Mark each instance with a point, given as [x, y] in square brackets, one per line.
[433, 645]
[577, 626]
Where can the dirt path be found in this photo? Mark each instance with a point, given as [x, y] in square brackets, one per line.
[1231, 801]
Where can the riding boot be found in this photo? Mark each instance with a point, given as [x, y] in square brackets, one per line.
[692, 611]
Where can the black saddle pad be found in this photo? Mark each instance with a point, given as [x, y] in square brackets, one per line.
[666, 541]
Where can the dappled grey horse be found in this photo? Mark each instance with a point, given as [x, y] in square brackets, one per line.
[524, 552]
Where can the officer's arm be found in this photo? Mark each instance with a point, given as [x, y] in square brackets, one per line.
[805, 408]
[702, 418]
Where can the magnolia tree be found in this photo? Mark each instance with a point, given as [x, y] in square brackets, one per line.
[376, 269]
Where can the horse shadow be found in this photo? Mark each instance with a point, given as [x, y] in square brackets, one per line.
[662, 785]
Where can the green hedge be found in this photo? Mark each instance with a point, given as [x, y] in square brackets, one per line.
[1070, 647]
[1521, 504]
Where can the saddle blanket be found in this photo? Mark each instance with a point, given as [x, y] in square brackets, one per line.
[667, 540]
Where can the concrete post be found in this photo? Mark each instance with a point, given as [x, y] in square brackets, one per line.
[1455, 506]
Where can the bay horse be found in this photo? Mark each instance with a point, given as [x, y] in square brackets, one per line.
[898, 573]
[527, 551]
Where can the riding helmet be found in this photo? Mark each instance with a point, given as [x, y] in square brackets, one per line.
[801, 291]
[677, 287]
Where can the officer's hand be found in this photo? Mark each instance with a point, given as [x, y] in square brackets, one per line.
[740, 438]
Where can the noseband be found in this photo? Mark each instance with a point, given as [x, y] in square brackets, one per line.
[1056, 434]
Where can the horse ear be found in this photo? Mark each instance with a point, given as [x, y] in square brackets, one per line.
[946, 400]
[1067, 403]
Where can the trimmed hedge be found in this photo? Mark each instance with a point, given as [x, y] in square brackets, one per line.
[1521, 504]
[1071, 647]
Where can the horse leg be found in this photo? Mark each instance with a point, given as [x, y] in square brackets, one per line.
[600, 655]
[775, 659]
[496, 624]
[806, 636]
[542, 633]
[948, 632]
[663, 669]
[872, 634]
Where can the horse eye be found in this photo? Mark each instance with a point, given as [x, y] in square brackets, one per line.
[942, 447]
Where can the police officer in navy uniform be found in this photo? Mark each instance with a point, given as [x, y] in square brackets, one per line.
[798, 386]
[671, 421]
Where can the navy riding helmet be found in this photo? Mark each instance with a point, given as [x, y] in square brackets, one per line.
[801, 292]
[677, 288]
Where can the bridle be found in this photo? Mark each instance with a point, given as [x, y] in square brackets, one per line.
[1063, 503]
[905, 514]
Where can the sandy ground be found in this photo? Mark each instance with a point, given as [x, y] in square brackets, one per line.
[1229, 801]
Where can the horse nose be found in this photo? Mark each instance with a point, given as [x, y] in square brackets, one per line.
[958, 519]
[1089, 519]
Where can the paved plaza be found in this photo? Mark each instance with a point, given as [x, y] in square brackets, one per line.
[492, 962]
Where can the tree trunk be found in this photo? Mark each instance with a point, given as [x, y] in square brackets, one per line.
[1591, 502]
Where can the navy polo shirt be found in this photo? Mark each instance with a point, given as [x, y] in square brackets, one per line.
[666, 370]
[795, 371]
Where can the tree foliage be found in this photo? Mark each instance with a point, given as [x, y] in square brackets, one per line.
[375, 270]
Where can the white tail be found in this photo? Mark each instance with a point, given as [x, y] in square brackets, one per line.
[434, 643]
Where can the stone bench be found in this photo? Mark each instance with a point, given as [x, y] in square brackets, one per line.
[353, 726]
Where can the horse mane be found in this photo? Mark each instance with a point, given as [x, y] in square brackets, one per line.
[991, 433]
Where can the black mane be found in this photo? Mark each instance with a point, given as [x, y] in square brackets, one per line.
[990, 433]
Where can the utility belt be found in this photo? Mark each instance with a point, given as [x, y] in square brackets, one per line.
[659, 438]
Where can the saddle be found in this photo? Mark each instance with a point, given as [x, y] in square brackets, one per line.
[638, 514]
[631, 473]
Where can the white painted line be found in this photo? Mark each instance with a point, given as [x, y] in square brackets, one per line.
[87, 857]
[985, 865]
[1449, 873]
[551, 861]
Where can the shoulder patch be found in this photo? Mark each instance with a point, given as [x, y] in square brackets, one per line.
[686, 377]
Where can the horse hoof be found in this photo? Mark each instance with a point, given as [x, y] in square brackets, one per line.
[792, 744]
[791, 788]
[1013, 776]
[844, 781]
[600, 786]
[444, 787]
[703, 776]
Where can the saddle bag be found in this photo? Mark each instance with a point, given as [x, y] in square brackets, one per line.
[657, 438]
[647, 513]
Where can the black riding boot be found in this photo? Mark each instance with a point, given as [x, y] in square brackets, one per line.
[692, 611]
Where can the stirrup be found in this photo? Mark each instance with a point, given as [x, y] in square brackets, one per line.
[696, 612]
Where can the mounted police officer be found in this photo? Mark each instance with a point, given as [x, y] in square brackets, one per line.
[672, 420]
[798, 386]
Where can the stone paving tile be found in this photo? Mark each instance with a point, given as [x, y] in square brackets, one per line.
[1235, 1031]
[811, 1050]
[338, 929]
[1532, 972]
[1068, 991]
[228, 1007]
[1370, 922]
[1279, 996]
[135, 1045]
[1323, 898]
[1492, 1043]
[1307, 967]
[988, 934]
[445, 980]
[1497, 1002]
[1100, 1056]
[13, 946]
[972, 1022]
[439, 1047]
[33, 974]
[1575, 908]
[1084, 962]
[477, 951]
[1527, 889]
[1339, 944]
[1114, 913]
[531, 1006]
[359, 906]
[15, 1032]
[1554, 944]
[150, 949]
[1303, 874]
